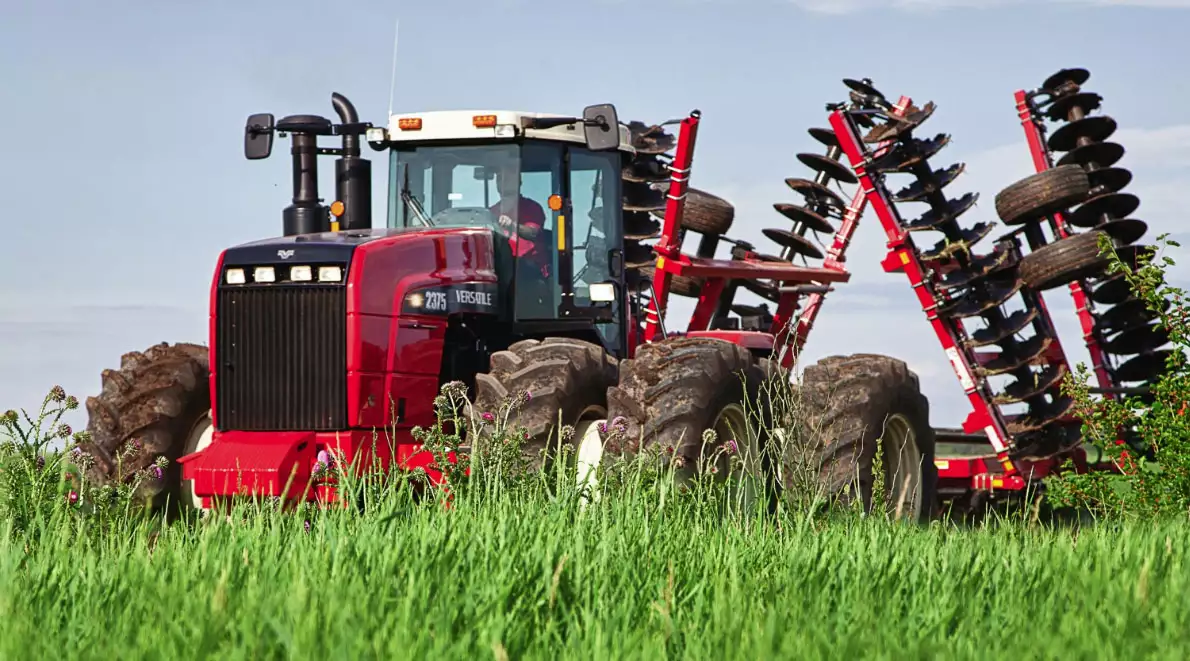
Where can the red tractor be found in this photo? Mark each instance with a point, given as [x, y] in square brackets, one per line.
[513, 258]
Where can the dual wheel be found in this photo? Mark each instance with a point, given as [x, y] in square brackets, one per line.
[665, 398]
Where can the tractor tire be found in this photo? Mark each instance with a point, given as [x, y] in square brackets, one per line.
[1042, 194]
[706, 213]
[561, 374]
[673, 391]
[1062, 262]
[679, 285]
[158, 398]
[851, 403]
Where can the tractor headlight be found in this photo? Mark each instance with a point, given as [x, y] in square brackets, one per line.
[264, 274]
[301, 273]
[330, 273]
[235, 276]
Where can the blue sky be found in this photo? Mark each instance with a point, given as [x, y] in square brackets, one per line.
[124, 176]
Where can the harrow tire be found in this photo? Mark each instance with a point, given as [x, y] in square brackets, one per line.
[672, 391]
[706, 213]
[561, 374]
[1041, 194]
[1062, 262]
[849, 402]
[156, 398]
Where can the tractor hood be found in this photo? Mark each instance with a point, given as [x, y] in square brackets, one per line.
[323, 247]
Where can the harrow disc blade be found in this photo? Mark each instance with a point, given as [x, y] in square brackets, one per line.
[980, 268]
[639, 226]
[1103, 208]
[862, 87]
[1138, 339]
[939, 179]
[1022, 354]
[1112, 290]
[1096, 129]
[1142, 368]
[639, 130]
[1041, 417]
[1109, 180]
[638, 253]
[1130, 255]
[804, 216]
[1019, 390]
[1061, 109]
[654, 148]
[896, 128]
[1064, 77]
[1125, 315]
[1126, 230]
[946, 249]
[825, 136]
[816, 194]
[974, 303]
[798, 244]
[1103, 154]
[640, 197]
[645, 170]
[832, 168]
[934, 217]
[995, 334]
[765, 290]
[911, 152]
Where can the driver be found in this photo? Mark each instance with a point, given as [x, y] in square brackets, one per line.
[528, 225]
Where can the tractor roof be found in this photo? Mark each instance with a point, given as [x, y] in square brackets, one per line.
[490, 124]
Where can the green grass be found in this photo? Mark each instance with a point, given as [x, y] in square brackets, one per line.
[537, 578]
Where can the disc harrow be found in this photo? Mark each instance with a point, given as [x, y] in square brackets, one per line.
[1124, 341]
[958, 283]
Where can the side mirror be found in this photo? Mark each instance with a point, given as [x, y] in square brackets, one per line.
[601, 127]
[258, 136]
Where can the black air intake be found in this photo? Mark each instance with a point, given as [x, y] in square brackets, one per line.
[282, 358]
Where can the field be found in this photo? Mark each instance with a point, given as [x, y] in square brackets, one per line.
[634, 577]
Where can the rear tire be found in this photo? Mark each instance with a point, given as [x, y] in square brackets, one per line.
[561, 374]
[1063, 261]
[672, 391]
[1039, 195]
[852, 403]
[158, 398]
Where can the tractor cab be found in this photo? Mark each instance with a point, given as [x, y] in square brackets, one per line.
[548, 192]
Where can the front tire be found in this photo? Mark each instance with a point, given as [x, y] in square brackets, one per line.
[157, 399]
[562, 375]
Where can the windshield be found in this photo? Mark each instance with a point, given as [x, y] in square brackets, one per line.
[452, 185]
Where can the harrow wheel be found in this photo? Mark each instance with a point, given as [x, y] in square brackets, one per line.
[673, 391]
[679, 285]
[1039, 195]
[159, 398]
[855, 403]
[566, 378]
[706, 213]
[1062, 262]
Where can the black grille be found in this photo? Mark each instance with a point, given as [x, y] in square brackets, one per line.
[282, 358]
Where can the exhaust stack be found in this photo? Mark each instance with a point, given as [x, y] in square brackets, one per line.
[353, 175]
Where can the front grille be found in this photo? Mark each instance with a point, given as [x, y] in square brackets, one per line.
[282, 358]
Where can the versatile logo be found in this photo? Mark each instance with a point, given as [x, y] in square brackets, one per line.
[471, 297]
[285, 254]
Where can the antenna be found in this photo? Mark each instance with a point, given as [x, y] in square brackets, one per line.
[392, 89]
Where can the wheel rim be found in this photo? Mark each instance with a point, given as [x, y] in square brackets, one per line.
[745, 484]
[904, 472]
[200, 436]
[588, 459]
